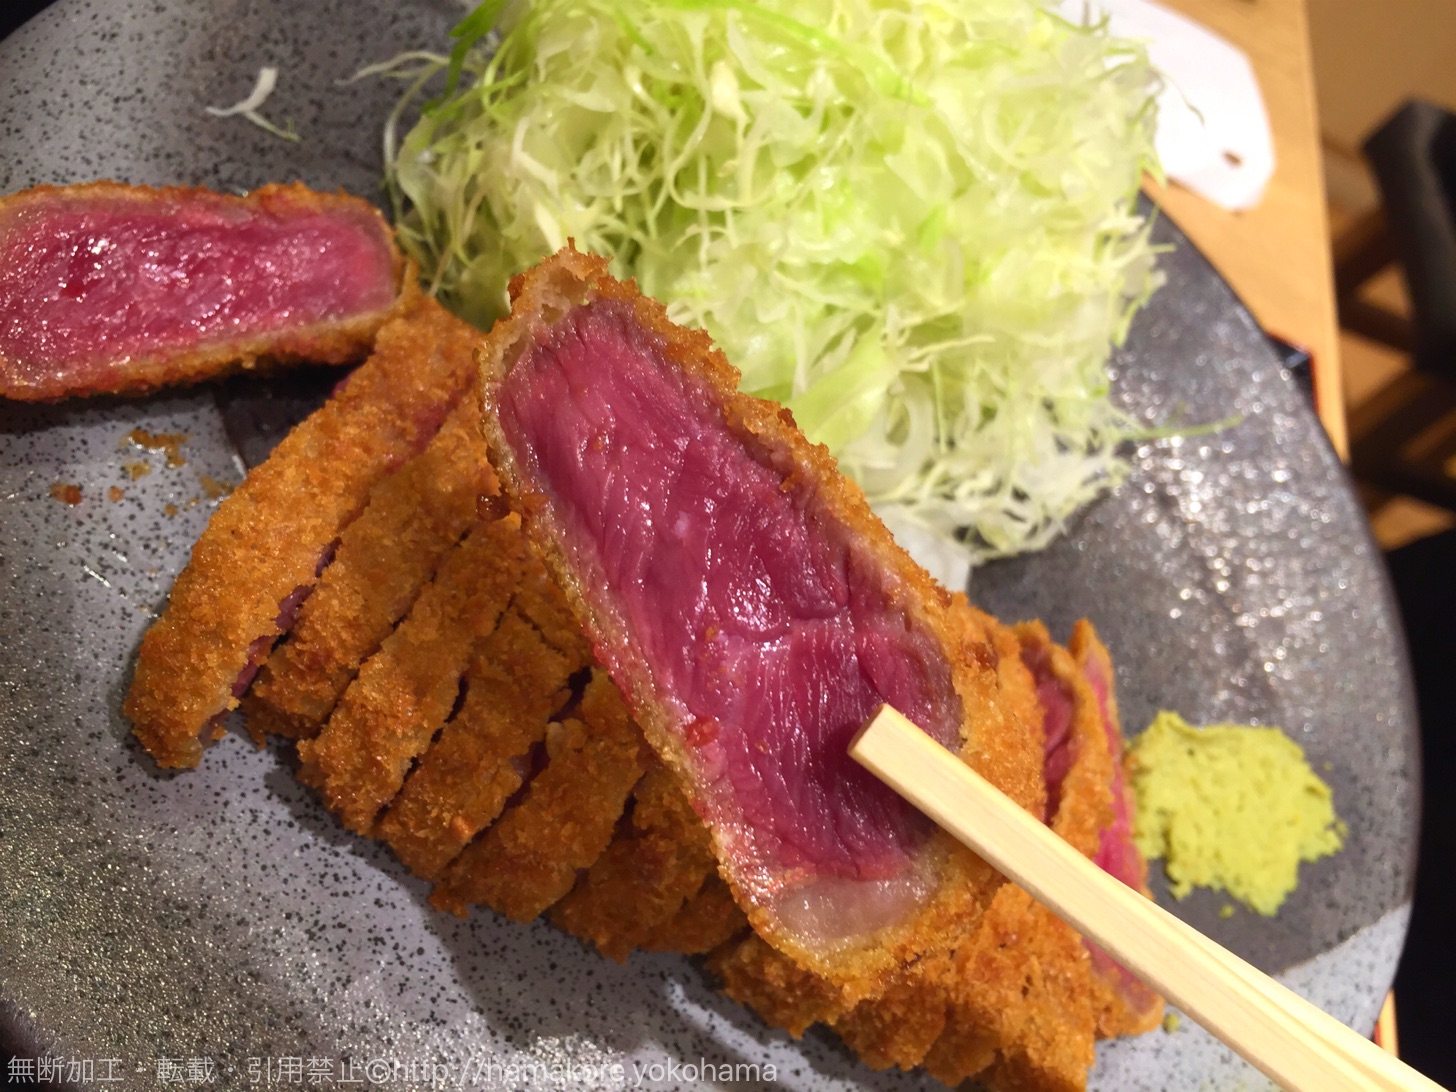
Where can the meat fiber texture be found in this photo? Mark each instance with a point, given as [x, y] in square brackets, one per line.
[268, 542]
[113, 289]
[1018, 1005]
[754, 612]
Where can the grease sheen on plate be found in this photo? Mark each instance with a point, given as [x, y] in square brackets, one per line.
[222, 914]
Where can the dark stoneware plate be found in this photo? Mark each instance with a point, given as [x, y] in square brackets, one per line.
[220, 919]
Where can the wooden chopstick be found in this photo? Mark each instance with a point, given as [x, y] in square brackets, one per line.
[1292, 1041]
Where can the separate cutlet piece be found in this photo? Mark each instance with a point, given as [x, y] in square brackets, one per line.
[268, 541]
[107, 288]
[659, 861]
[708, 920]
[898, 1027]
[1079, 768]
[530, 857]
[463, 782]
[407, 690]
[383, 559]
[753, 610]
[1015, 1005]
[1125, 1004]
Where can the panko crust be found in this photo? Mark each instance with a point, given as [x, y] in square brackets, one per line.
[414, 518]
[655, 865]
[264, 544]
[1125, 1005]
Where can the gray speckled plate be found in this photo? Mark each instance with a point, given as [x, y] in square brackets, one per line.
[220, 921]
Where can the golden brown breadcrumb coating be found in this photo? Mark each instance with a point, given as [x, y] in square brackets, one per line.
[1125, 1005]
[462, 783]
[407, 690]
[655, 864]
[383, 559]
[708, 920]
[1013, 1006]
[1020, 1015]
[1084, 809]
[529, 858]
[266, 541]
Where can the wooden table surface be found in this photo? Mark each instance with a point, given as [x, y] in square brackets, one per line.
[1277, 255]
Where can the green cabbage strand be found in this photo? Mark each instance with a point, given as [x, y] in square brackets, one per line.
[913, 222]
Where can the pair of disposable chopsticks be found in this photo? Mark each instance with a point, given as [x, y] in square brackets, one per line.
[1292, 1041]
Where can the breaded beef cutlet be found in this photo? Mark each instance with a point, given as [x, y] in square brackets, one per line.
[414, 517]
[516, 685]
[406, 691]
[659, 860]
[754, 611]
[529, 858]
[113, 289]
[267, 543]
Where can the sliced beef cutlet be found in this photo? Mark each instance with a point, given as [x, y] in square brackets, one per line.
[107, 288]
[415, 516]
[483, 755]
[707, 921]
[1018, 1004]
[660, 859]
[1125, 1004]
[407, 690]
[565, 818]
[898, 1024]
[267, 543]
[754, 611]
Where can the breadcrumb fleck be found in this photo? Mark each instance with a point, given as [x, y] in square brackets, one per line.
[168, 442]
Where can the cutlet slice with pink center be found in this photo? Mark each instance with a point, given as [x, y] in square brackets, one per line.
[267, 543]
[107, 288]
[407, 690]
[752, 609]
[1126, 1005]
[415, 516]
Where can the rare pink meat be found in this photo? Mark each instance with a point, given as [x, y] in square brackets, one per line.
[107, 288]
[1057, 712]
[754, 613]
[1118, 855]
[771, 635]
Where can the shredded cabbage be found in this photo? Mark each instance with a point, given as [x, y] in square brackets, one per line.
[912, 221]
[248, 107]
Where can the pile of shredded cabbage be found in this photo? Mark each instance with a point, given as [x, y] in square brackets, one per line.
[912, 221]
